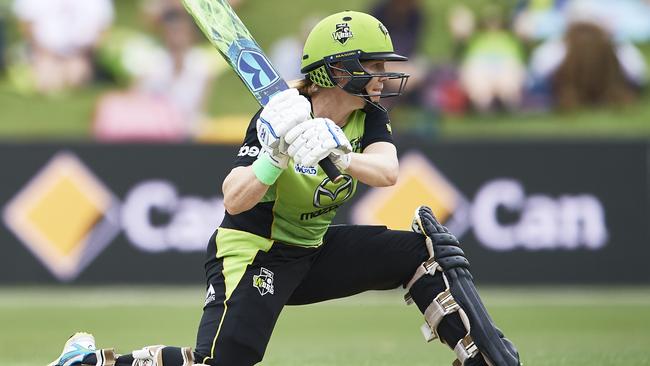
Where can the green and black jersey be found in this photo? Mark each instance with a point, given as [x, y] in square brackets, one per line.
[300, 206]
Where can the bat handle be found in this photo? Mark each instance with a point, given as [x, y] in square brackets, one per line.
[330, 169]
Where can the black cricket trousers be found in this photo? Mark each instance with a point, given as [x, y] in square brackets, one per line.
[250, 279]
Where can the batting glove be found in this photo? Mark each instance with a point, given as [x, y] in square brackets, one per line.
[283, 112]
[313, 140]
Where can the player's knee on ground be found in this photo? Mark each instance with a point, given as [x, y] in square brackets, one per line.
[231, 354]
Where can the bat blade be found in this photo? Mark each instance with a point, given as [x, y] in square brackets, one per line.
[229, 35]
[231, 38]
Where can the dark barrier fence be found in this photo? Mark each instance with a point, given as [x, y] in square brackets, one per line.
[525, 212]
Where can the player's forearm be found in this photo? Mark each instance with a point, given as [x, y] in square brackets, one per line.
[242, 190]
[374, 169]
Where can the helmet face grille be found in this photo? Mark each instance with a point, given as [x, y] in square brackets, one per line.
[320, 77]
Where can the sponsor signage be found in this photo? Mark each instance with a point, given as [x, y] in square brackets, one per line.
[569, 221]
[525, 213]
[120, 213]
[64, 215]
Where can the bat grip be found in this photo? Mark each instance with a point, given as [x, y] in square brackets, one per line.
[330, 169]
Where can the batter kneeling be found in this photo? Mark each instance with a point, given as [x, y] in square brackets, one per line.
[276, 245]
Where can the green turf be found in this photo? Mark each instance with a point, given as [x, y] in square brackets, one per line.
[561, 327]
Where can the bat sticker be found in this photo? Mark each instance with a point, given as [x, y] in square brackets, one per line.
[256, 70]
[229, 35]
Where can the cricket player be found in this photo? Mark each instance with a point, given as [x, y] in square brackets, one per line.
[276, 245]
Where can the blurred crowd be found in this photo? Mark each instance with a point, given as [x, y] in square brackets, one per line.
[160, 76]
[541, 55]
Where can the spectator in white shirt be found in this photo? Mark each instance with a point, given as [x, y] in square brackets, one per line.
[61, 35]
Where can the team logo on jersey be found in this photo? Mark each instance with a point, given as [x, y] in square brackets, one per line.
[306, 170]
[264, 282]
[210, 295]
[356, 144]
[342, 33]
[329, 193]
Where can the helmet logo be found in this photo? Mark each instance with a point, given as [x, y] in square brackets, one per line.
[342, 33]
[383, 29]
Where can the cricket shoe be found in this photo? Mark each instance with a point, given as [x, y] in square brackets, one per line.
[77, 348]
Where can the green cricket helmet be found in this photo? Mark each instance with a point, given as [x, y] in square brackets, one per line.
[341, 42]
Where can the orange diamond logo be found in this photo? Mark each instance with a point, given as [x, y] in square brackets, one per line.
[65, 216]
[420, 183]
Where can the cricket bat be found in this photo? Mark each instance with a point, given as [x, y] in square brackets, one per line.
[229, 35]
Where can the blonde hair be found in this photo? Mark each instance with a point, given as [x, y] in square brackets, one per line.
[305, 86]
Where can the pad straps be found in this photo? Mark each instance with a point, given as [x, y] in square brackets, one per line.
[429, 267]
[442, 305]
[465, 349]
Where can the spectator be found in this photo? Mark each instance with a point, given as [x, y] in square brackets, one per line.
[182, 70]
[171, 80]
[444, 92]
[286, 53]
[462, 24]
[405, 20]
[626, 20]
[492, 71]
[588, 65]
[536, 20]
[61, 36]
[590, 73]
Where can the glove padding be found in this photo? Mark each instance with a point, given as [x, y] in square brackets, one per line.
[445, 246]
[284, 111]
[313, 140]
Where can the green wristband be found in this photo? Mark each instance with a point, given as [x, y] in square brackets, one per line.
[265, 171]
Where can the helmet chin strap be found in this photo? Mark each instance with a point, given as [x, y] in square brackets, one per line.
[374, 104]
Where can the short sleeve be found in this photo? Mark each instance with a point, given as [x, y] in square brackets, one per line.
[377, 127]
[251, 146]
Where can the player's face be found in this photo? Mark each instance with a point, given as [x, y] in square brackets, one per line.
[376, 84]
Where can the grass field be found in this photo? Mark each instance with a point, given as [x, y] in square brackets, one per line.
[552, 327]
